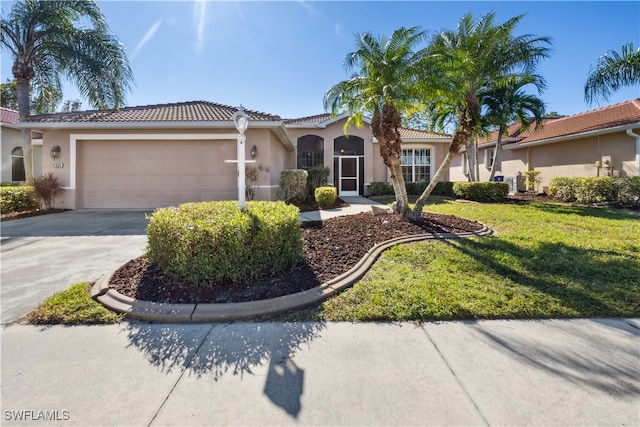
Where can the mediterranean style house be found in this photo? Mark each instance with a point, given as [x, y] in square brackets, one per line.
[163, 155]
[602, 142]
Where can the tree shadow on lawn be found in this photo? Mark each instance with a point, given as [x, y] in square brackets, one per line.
[236, 348]
[563, 209]
[578, 278]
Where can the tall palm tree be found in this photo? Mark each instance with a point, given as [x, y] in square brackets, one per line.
[383, 87]
[480, 54]
[53, 38]
[613, 71]
[508, 102]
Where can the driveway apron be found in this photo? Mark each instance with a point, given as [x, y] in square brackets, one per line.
[46, 254]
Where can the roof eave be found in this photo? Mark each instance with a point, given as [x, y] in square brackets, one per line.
[146, 125]
[570, 137]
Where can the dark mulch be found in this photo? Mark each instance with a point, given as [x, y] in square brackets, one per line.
[331, 247]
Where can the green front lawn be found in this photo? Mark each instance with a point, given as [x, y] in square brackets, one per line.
[545, 260]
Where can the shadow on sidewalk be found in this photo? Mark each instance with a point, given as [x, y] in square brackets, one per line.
[236, 348]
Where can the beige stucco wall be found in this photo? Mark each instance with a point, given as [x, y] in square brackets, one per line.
[569, 158]
[207, 176]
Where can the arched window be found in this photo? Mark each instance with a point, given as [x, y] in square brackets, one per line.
[17, 164]
[310, 151]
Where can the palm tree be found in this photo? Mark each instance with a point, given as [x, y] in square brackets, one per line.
[613, 71]
[507, 102]
[383, 87]
[480, 54]
[47, 42]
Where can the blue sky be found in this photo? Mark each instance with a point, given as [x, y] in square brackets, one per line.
[281, 57]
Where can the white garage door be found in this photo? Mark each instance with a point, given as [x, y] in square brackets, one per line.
[151, 174]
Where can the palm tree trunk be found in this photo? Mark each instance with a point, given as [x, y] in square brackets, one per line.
[417, 208]
[496, 155]
[24, 110]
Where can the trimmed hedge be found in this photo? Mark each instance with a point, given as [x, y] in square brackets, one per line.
[18, 199]
[596, 189]
[211, 243]
[442, 188]
[481, 191]
[326, 196]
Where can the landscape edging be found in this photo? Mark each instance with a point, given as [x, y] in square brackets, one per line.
[225, 312]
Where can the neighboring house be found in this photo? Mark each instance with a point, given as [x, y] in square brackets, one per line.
[161, 155]
[602, 142]
[12, 154]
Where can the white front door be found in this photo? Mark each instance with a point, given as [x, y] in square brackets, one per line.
[348, 175]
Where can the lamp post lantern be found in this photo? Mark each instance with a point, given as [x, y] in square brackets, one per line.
[241, 121]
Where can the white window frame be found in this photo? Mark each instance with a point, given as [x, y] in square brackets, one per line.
[413, 164]
[489, 156]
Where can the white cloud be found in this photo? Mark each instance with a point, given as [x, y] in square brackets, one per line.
[148, 36]
[200, 19]
[307, 6]
[338, 29]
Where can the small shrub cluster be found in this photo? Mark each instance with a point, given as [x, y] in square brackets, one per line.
[316, 177]
[442, 188]
[293, 183]
[326, 196]
[596, 189]
[252, 177]
[47, 187]
[211, 243]
[18, 199]
[481, 191]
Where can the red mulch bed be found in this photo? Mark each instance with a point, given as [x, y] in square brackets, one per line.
[27, 214]
[330, 248]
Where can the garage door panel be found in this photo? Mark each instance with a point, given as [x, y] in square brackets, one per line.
[150, 174]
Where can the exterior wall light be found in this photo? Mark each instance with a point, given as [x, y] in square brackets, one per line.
[55, 152]
[254, 152]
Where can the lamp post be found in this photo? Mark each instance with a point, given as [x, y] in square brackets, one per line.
[241, 120]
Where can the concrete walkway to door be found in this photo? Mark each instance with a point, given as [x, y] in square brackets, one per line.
[357, 204]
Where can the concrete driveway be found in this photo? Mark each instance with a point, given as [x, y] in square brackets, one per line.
[46, 254]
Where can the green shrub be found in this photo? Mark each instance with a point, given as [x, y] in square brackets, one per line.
[47, 187]
[563, 188]
[630, 190]
[293, 183]
[10, 184]
[18, 199]
[380, 189]
[326, 196]
[316, 177]
[215, 242]
[596, 189]
[588, 189]
[443, 188]
[415, 188]
[481, 191]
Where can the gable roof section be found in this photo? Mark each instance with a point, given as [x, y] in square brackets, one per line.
[611, 117]
[194, 111]
[414, 135]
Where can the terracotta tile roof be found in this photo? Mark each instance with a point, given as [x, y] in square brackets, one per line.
[193, 111]
[8, 116]
[624, 113]
[309, 120]
[421, 134]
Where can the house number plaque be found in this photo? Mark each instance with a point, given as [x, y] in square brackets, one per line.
[58, 165]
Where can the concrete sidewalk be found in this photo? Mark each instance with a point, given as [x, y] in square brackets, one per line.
[548, 372]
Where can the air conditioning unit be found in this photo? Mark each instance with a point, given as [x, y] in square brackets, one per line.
[513, 183]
